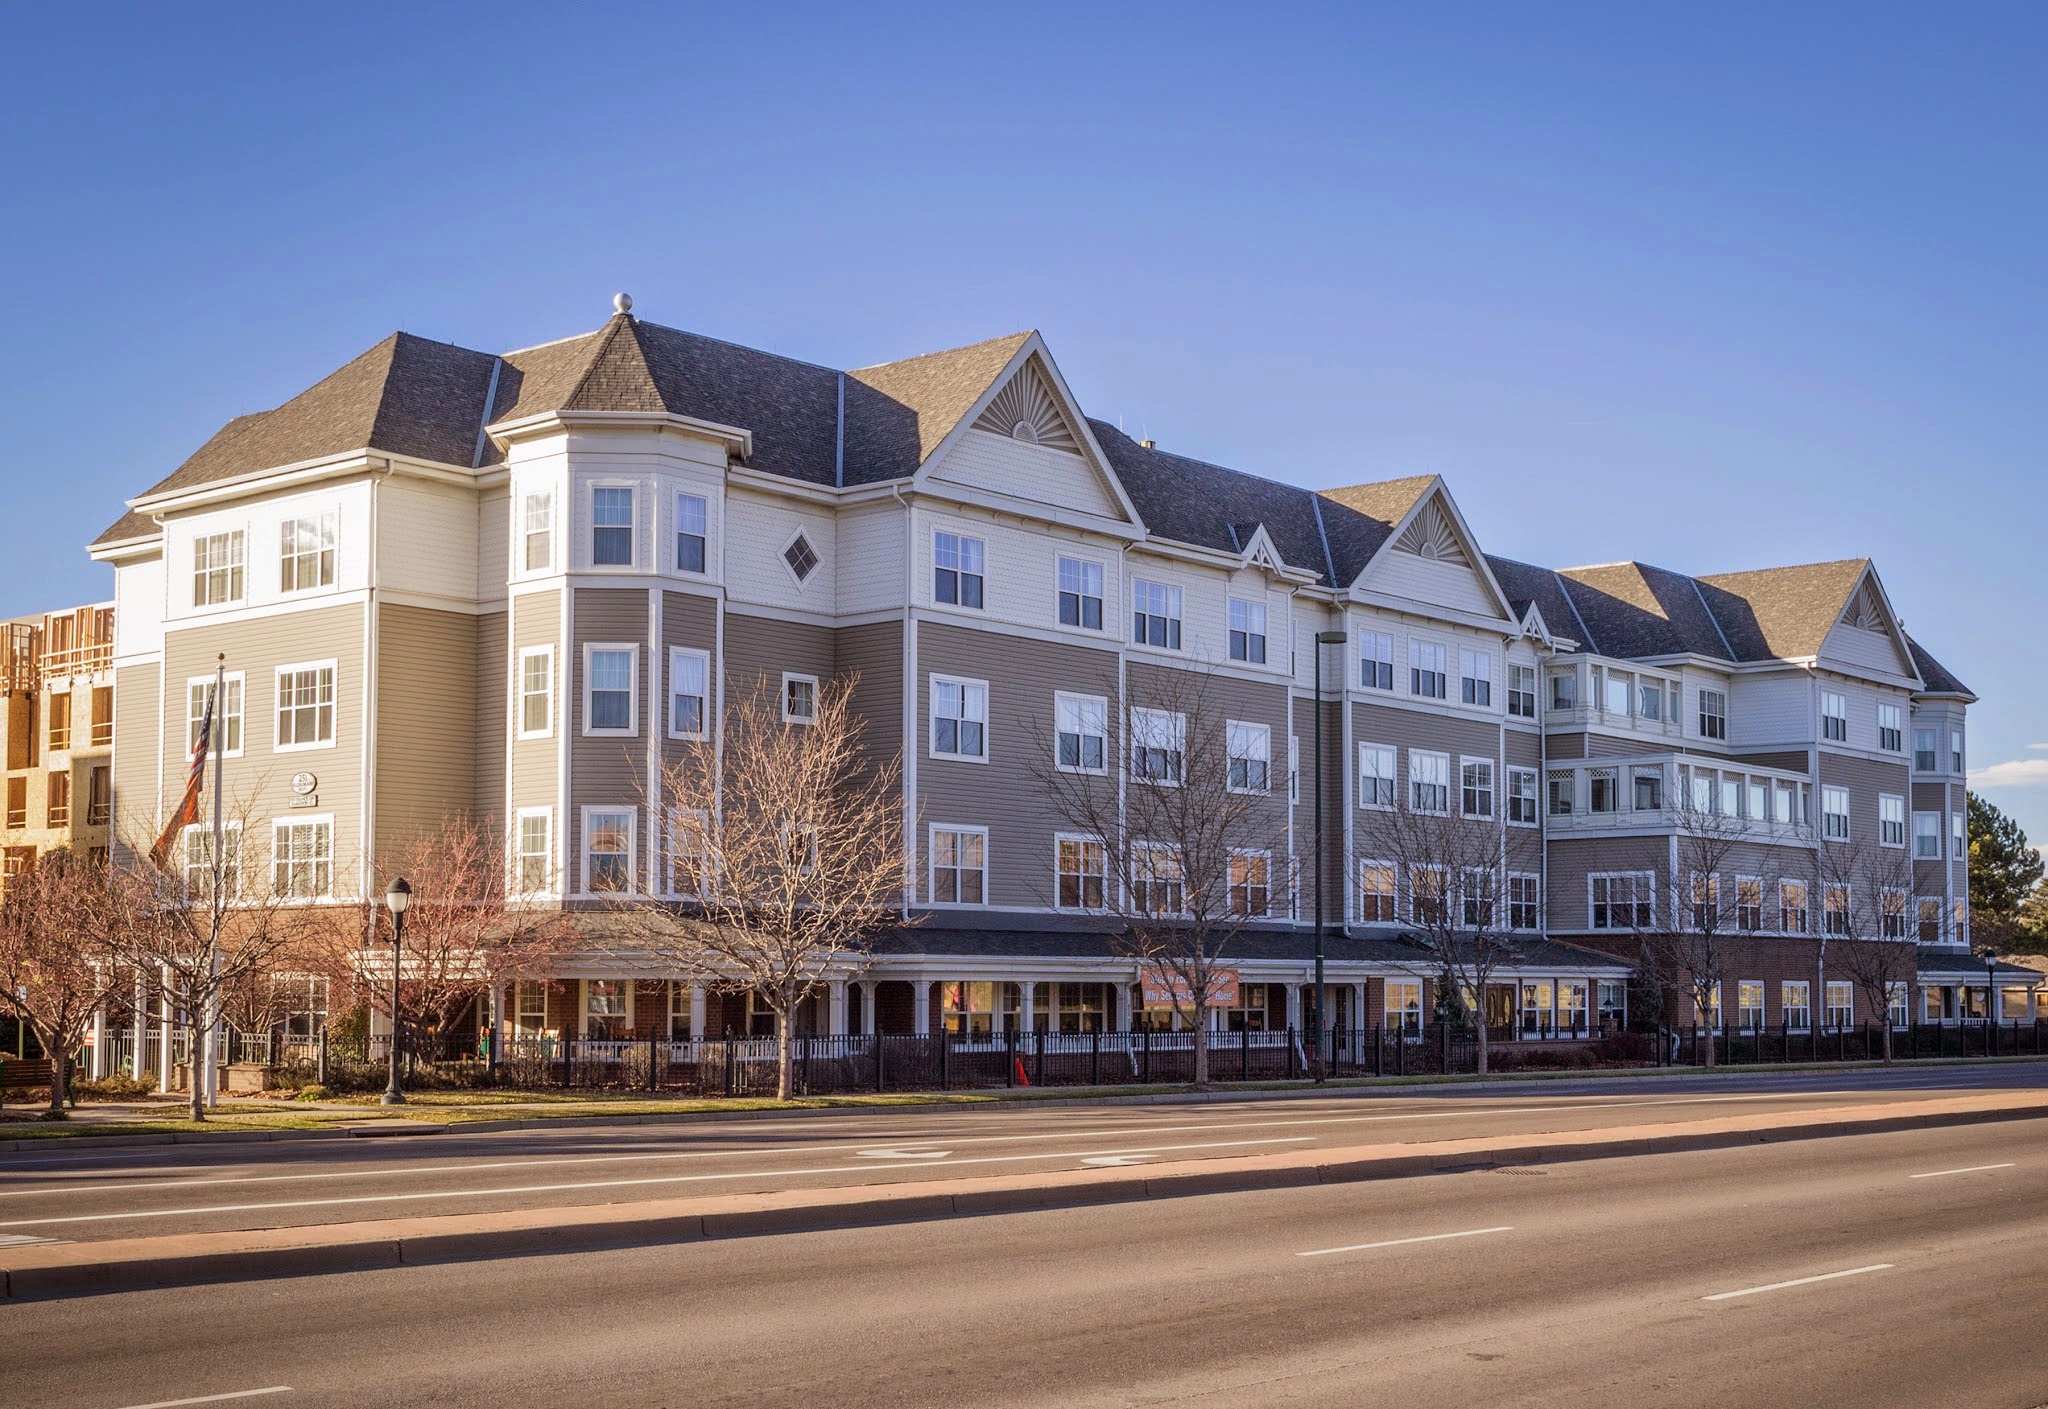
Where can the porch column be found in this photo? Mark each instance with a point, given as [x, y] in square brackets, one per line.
[696, 1012]
[96, 1066]
[1294, 1006]
[1358, 1022]
[1027, 1004]
[921, 1006]
[1121, 990]
[497, 1015]
[867, 1007]
[140, 1062]
[163, 1036]
[835, 1008]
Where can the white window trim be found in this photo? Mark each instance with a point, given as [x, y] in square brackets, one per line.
[207, 682]
[1103, 875]
[1913, 836]
[669, 695]
[276, 706]
[1493, 792]
[1449, 895]
[1101, 703]
[1177, 735]
[665, 863]
[321, 518]
[307, 819]
[239, 598]
[1648, 879]
[1451, 799]
[1394, 779]
[1247, 851]
[1905, 822]
[1509, 901]
[1847, 814]
[931, 740]
[632, 694]
[520, 533]
[802, 531]
[1103, 597]
[931, 587]
[633, 486]
[676, 531]
[1535, 797]
[632, 850]
[519, 691]
[932, 862]
[1377, 864]
[1251, 728]
[553, 887]
[1763, 1005]
[787, 717]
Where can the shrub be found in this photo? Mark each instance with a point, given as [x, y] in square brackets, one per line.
[118, 1087]
[313, 1091]
[1626, 1049]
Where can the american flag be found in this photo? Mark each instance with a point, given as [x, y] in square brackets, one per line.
[188, 805]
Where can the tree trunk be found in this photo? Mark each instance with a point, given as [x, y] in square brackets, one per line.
[1482, 1043]
[195, 1059]
[60, 1072]
[1887, 1034]
[1707, 1047]
[1201, 1050]
[785, 1055]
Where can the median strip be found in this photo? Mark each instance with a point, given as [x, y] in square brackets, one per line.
[180, 1259]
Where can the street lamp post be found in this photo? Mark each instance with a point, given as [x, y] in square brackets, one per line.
[1989, 954]
[1323, 638]
[396, 899]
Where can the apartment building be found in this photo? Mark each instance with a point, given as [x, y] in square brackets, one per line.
[514, 584]
[57, 716]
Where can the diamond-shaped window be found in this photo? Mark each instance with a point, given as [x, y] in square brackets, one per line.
[800, 556]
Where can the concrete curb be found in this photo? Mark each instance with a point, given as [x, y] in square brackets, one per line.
[1344, 1086]
[75, 1269]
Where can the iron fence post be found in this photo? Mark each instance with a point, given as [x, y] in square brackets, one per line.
[879, 1041]
[1244, 1052]
[1094, 1056]
[320, 1059]
[1148, 1057]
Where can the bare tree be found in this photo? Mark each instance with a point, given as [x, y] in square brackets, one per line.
[60, 920]
[211, 920]
[1687, 943]
[466, 932]
[1174, 830]
[1881, 952]
[785, 856]
[1456, 865]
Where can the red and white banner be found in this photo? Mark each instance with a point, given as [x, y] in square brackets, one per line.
[1163, 988]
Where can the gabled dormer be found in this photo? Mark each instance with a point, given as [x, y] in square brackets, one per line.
[1429, 562]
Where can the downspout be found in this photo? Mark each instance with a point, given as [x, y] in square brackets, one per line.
[366, 830]
[909, 708]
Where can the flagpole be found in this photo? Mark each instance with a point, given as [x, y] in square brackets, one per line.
[213, 742]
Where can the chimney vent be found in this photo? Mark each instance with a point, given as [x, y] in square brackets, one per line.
[1149, 444]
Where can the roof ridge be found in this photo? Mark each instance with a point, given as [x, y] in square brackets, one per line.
[943, 351]
[611, 335]
[1206, 464]
[741, 346]
[1315, 507]
[1864, 561]
[1585, 631]
[1700, 593]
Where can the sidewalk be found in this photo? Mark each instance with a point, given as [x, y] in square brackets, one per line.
[67, 1269]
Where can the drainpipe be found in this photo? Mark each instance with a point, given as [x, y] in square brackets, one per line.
[910, 687]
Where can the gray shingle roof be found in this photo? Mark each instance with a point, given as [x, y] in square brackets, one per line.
[898, 412]
[1935, 675]
[1525, 583]
[1633, 609]
[1782, 613]
[1359, 518]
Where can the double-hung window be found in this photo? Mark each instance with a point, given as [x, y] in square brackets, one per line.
[1958, 836]
[1562, 791]
[1376, 660]
[1713, 714]
[1475, 677]
[305, 706]
[1795, 1002]
[1525, 901]
[1156, 874]
[1475, 893]
[691, 532]
[1155, 614]
[1892, 907]
[1925, 755]
[302, 858]
[537, 692]
[1834, 813]
[217, 560]
[1475, 787]
[1376, 899]
[1927, 913]
[1749, 904]
[1078, 864]
[611, 525]
[957, 569]
[1522, 691]
[1375, 775]
[689, 674]
[1564, 691]
[1749, 1005]
[609, 697]
[1927, 836]
[1834, 716]
[799, 699]
[1250, 887]
[1522, 799]
[1794, 907]
[1890, 729]
[1955, 750]
[227, 722]
[537, 531]
[1841, 1004]
[1429, 894]
[1428, 669]
[1706, 901]
[1624, 900]
[1834, 909]
[198, 860]
[690, 859]
[306, 552]
[57, 799]
[959, 866]
[1650, 700]
[1080, 587]
[608, 849]
[959, 718]
[533, 865]
[1891, 820]
[1158, 745]
[1429, 781]
[1250, 751]
[1248, 631]
[1081, 733]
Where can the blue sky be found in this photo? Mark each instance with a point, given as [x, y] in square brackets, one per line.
[1716, 289]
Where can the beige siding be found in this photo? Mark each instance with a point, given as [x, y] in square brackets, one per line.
[873, 657]
[488, 737]
[1865, 778]
[1573, 860]
[536, 763]
[427, 735]
[1022, 675]
[138, 719]
[690, 620]
[759, 649]
[606, 770]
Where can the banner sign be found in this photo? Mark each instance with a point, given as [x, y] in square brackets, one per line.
[1164, 988]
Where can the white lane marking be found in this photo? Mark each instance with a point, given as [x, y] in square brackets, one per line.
[904, 1154]
[1971, 1169]
[213, 1398]
[626, 1183]
[1115, 1161]
[839, 1146]
[1403, 1242]
[1799, 1282]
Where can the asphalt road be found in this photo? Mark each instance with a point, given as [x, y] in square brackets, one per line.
[77, 1193]
[1865, 1271]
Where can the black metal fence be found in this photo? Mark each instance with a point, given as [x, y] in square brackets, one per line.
[1865, 1042]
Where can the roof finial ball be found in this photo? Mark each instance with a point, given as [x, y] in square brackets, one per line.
[622, 302]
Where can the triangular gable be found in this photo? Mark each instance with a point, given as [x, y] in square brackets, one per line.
[1867, 636]
[1432, 558]
[1025, 438]
[1256, 547]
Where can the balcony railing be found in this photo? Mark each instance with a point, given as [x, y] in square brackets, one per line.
[78, 643]
[1651, 793]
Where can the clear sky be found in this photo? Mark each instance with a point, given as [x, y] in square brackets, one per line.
[1717, 289]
